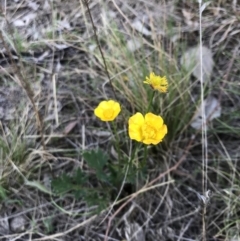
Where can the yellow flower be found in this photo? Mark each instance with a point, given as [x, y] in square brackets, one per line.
[107, 110]
[149, 129]
[157, 82]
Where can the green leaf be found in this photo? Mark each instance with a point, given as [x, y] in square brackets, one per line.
[62, 184]
[115, 177]
[38, 185]
[65, 183]
[96, 159]
[3, 194]
[95, 198]
[48, 225]
[79, 193]
[79, 177]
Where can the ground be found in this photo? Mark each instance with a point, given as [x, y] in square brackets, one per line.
[64, 174]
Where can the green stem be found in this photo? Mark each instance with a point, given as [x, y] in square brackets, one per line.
[145, 147]
[134, 153]
[145, 156]
[151, 100]
[117, 139]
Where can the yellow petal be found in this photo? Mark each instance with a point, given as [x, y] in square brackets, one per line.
[151, 141]
[135, 123]
[116, 108]
[103, 104]
[107, 110]
[146, 82]
[153, 123]
[98, 112]
[136, 120]
[154, 120]
[157, 82]
[161, 133]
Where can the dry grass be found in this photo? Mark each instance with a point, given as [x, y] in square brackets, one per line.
[51, 67]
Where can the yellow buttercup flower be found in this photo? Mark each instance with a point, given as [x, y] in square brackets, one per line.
[149, 129]
[107, 110]
[157, 82]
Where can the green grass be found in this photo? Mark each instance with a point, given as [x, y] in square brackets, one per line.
[95, 167]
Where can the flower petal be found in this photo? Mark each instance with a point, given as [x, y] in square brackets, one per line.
[107, 110]
[161, 133]
[157, 82]
[154, 120]
[98, 112]
[135, 123]
[116, 108]
[149, 130]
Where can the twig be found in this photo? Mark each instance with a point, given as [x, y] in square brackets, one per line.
[55, 98]
[204, 127]
[100, 49]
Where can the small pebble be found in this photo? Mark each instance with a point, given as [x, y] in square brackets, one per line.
[18, 224]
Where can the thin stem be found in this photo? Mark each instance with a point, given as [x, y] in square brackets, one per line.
[204, 126]
[117, 139]
[145, 156]
[161, 175]
[151, 100]
[100, 49]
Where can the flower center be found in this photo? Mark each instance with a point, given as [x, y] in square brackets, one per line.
[155, 82]
[148, 132]
[108, 113]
